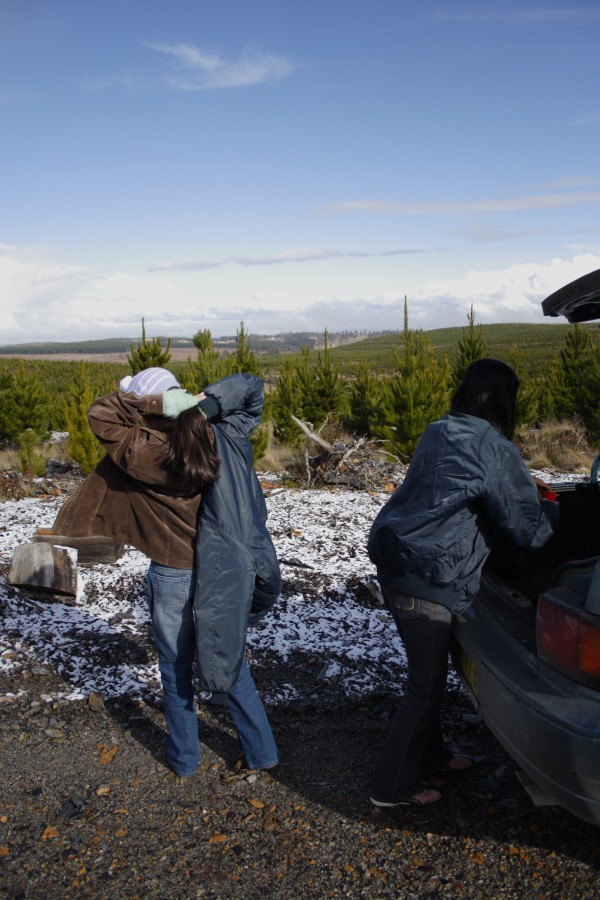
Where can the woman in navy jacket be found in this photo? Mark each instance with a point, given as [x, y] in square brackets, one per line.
[429, 542]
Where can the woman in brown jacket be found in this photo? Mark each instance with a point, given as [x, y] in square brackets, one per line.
[146, 492]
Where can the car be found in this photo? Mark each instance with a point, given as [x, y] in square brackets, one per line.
[527, 649]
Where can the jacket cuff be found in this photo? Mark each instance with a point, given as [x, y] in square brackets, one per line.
[210, 407]
[177, 401]
[219, 699]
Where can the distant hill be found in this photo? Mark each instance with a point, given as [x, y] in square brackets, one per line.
[100, 347]
[262, 344]
[537, 344]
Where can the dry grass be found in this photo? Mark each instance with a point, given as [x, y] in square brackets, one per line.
[9, 460]
[561, 446]
[283, 459]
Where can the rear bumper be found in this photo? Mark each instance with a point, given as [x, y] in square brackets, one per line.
[548, 724]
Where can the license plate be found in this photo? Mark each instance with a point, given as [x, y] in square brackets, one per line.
[469, 672]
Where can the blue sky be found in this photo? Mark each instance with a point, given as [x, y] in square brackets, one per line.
[293, 164]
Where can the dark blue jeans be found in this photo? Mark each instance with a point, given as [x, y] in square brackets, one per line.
[170, 595]
[414, 745]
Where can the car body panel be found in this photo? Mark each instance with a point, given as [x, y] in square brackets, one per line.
[548, 724]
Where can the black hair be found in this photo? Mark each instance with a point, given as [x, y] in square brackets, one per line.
[488, 390]
[192, 455]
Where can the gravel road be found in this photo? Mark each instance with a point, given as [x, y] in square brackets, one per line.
[88, 809]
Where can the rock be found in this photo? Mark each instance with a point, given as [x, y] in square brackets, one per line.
[96, 701]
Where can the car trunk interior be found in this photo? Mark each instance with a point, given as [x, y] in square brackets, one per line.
[529, 572]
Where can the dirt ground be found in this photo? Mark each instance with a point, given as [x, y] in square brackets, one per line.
[89, 809]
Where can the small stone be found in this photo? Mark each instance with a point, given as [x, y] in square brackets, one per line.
[96, 701]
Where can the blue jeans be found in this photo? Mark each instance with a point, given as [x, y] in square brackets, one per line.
[414, 745]
[170, 596]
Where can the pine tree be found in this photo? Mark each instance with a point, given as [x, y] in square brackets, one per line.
[25, 405]
[6, 381]
[548, 390]
[417, 394]
[590, 391]
[260, 441]
[208, 366]
[31, 460]
[305, 379]
[575, 360]
[528, 394]
[329, 395]
[471, 346]
[148, 353]
[82, 444]
[285, 400]
[244, 358]
[365, 401]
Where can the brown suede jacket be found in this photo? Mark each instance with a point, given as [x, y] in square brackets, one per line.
[130, 496]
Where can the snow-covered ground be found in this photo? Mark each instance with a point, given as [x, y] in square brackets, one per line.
[328, 615]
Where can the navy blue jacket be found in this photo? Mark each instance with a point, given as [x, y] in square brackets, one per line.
[465, 482]
[237, 571]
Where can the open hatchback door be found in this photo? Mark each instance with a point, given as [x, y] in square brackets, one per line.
[578, 301]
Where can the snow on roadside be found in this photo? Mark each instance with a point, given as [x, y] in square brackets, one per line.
[326, 616]
[102, 641]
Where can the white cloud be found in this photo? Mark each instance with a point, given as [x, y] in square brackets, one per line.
[190, 266]
[490, 234]
[540, 15]
[131, 82]
[276, 259]
[288, 256]
[507, 204]
[206, 70]
[590, 119]
[47, 301]
[567, 181]
[502, 295]
[61, 303]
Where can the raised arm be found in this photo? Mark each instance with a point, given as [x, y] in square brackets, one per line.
[136, 444]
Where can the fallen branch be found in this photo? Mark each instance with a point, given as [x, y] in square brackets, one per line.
[363, 464]
[312, 436]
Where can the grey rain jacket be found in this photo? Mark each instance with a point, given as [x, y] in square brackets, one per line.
[238, 578]
[466, 481]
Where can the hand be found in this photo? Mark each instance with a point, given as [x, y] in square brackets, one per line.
[541, 486]
[200, 396]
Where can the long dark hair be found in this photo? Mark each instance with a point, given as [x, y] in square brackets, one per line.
[192, 455]
[488, 390]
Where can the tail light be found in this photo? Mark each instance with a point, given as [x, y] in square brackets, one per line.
[568, 638]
